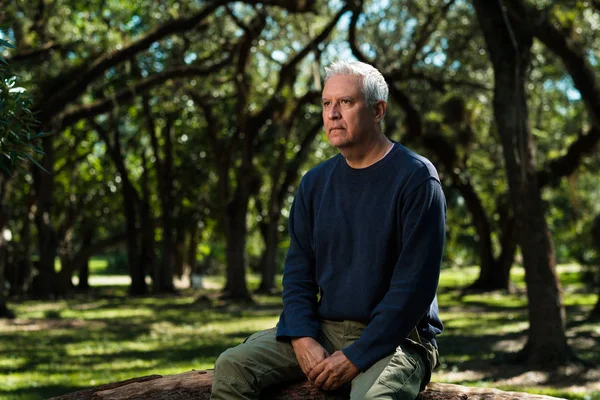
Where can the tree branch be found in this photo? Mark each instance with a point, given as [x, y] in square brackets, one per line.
[414, 124]
[39, 20]
[438, 84]
[560, 167]
[291, 6]
[292, 167]
[425, 33]
[356, 11]
[36, 53]
[51, 104]
[572, 55]
[107, 104]
[287, 73]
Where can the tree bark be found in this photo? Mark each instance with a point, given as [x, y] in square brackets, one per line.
[130, 201]
[147, 257]
[196, 385]
[163, 271]
[269, 259]
[44, 184]
[23, 265]
[509, 47]
[595, 314]
[595, 233]
[179, 249]
[4, 311]
[138, 278]
[192, 248]
[235, 237]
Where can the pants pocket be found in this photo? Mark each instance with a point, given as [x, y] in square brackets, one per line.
[403, 374]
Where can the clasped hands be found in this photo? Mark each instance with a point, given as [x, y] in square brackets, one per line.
[327, 372]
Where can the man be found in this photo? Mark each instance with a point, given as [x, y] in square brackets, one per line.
[359, 285]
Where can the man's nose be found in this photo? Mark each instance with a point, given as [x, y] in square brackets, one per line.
[334, 112]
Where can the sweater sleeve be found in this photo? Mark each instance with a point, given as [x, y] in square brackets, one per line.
[300, 289]
[414, 280]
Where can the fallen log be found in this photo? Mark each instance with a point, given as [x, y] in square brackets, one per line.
[196, 385]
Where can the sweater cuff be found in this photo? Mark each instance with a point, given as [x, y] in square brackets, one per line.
[285, 333]
[355, 356]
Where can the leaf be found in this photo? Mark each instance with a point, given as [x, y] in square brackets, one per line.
[5, 168]
[5, 43]
[33, 160]
[36, 149]
[41, 135]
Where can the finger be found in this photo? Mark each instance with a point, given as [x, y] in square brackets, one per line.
[322, 378]
[332, 384]
[304, 367]
[329, 384]
[316, 371]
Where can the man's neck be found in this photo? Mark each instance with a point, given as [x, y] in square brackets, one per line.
[367, 154]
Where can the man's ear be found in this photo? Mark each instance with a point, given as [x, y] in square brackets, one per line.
[379, 108]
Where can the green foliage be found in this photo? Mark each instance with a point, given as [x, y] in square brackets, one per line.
[18, 139]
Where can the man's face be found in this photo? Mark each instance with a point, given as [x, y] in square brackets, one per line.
[347, 118]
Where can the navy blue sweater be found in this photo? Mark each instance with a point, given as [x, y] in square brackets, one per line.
[366, 245]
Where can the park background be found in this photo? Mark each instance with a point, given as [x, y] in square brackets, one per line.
[150, 151]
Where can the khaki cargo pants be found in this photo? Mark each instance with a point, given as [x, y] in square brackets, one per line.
[261, 361]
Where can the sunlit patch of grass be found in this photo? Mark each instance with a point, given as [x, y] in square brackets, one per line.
[98, 265]
[496, 300]
[562, 394]
[456, 278]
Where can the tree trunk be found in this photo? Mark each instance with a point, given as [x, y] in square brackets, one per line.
[136, 269]
[595, 233]
[164, 270]
[163, 275]
[136, 272]
[147, 257]
[192, 249]
[269, 265]
[44, 184]
[196, 385]
[84, 268]
[4, 311]
[23, 265]
[595, 314]
[496, 275]
[235, 231]
[179, 262]
[84, 277]
[488, 266]
[509, 46]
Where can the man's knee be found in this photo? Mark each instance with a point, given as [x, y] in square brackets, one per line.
[231, 379]
[230, 362]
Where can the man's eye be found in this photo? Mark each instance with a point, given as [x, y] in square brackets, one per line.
[326, 103]
[345, 101]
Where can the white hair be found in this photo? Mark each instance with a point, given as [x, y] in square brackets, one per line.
[374, 86]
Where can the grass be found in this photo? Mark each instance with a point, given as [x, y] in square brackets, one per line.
[105, 336]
